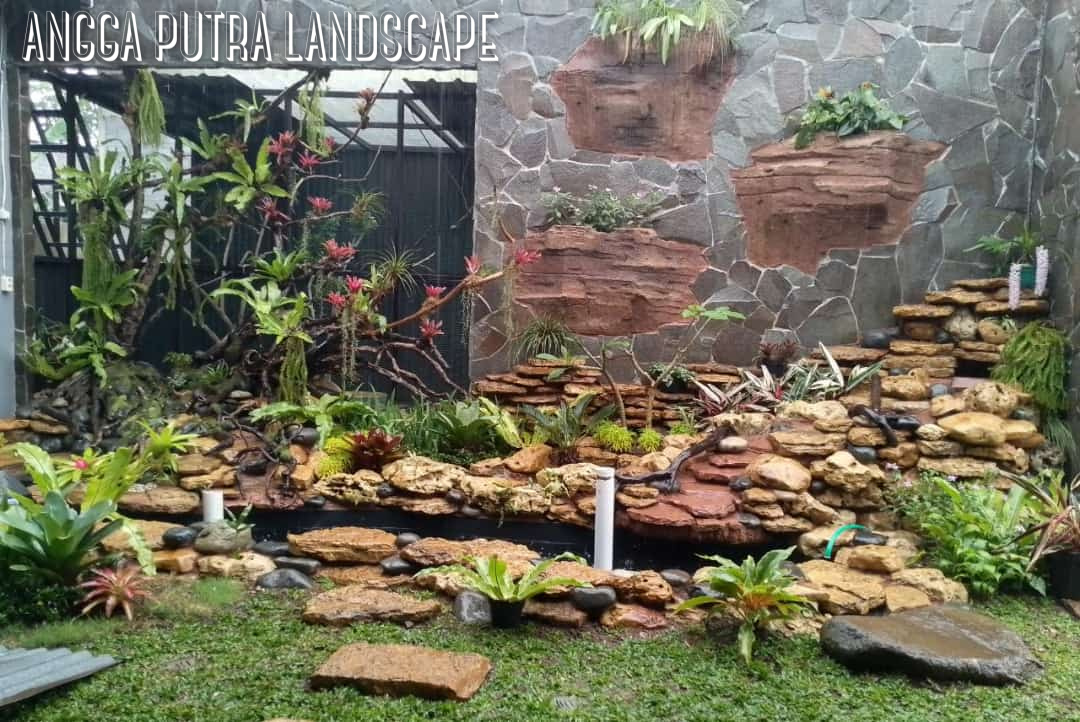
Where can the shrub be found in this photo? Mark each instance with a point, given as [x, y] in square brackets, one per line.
[971, 531]
[613, 437]
[860, 111]
[650, 440]
[601, 210]
[25, 599]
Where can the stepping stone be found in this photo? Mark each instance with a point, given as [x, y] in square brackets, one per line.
[352, 604]
[941, 643]
[923, 311]
[398, 670]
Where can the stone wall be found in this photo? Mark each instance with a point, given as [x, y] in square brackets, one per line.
[1056, 190]
[963, 70]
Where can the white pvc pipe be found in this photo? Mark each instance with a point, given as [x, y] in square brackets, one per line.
[213, 505]
[604, 524]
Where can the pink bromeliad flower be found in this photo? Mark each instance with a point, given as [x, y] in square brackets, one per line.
[473, 265]
[337, 301]
[81, 464]
[338, 253]
[524, 257]
[430, 329]
[320, 206]
[282, 145]
[354, 284]
[308, 161]
[434, 292]
[270, 211]
[329, 145]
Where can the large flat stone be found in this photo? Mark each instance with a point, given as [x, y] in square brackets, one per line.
[399, 669]
[354, 604]
[943, 643]
[347, 544]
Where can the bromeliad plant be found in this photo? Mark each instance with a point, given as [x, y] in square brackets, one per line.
[754, 594]
[1058, 510]
[111, 589]
[491, 577]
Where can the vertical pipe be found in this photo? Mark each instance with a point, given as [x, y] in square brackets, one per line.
[213, 505]
[604, 525]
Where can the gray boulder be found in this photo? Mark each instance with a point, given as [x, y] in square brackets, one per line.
[941, 643]
[472, 608]
[221, 538]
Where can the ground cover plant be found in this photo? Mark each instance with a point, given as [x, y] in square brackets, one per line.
[210, 650]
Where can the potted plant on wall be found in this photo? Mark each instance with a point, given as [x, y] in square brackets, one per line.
[1058, 534]
[491, 577]
[696, 30]
[1025, 250]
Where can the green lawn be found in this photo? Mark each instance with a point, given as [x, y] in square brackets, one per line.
[217, 654]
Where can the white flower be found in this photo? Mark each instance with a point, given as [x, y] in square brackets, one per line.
[1014, 286]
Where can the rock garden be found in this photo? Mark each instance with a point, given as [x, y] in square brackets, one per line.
[317, 514]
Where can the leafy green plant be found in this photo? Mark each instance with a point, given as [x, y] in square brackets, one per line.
[570, 422]
[1007, 251]
[162, 446]
[1035, 359]
[1058, 511]
[282, 267]
[859, 111]
[328, 413]
[543, 336]
[239, 522]
[650, 440]
[666, 374]
[490, 576]
[614, 437]
[754, 593]
[146, 107]
[468, 430]
[601, 210]
[250, 182]
[971, 532]
[663, 25]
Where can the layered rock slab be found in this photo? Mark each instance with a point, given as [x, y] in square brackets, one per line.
[398, 670]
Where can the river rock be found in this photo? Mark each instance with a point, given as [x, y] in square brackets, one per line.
[398, 670]
[222, 538]
[308, 567]
[284, 579]
[941, 643]
[594, 601]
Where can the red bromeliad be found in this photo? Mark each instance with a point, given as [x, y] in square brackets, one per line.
[473, 265]
[430, 329]
[308, 161]
[337, 301]
[114, 588]
[269, 209]
[282, 146]
[338, 253]
[434, 292]
[354, 284]
[525, 257]
[320, 206]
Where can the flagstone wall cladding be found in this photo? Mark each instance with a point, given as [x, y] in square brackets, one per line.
[1056, 186]
[965, 71]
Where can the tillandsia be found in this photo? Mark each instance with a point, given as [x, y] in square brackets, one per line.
[1042, 270]
[1015, 275]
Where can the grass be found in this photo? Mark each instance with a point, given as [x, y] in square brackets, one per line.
[242, 657]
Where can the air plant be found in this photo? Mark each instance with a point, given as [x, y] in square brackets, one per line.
[110, 589]
[1015, 274]
[1042, 269]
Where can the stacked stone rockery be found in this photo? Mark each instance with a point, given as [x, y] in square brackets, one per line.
[546, 384]
[965, 323]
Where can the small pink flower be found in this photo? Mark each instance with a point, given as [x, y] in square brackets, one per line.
[434, 292]
[337, 301]
[524, 257]
[430, 329]
[354, 284]
[329, 145]
[473, 265]
[338, 253]
[320, 206]
[308, 161]
[282, 146]
[81, 464]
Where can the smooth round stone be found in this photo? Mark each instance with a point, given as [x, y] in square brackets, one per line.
[179, 537]
[52, 444]
[880, 338]
[702, 590]
[406, 538]
[395, 565]
[472, 608]
[471, 512]
[308, 567]
[456, 496]
[255, 466]
[315, 502]
[939, 390]
[1025, 413]
[220, 538]
[284, 579]
[943, 336]
[898, 372]
[733, 444]
[272, 548]
[904, 423]
[9, 482]
[594, 601]
[817, 486]
[748, 520]
[864, 538]
[676, 577]
[385, 491]
[240, 395]
[863, 454]
[305, 437]
[741, 484]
